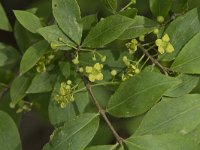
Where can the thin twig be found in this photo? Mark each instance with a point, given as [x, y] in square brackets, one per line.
[163, 69]
[102, 111]
[95, 85]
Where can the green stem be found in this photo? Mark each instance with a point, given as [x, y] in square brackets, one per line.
[90, 50]
[95, 85]
[65, 44]
[125, 7]
[140, 59]
[144, 63]
[148, 44]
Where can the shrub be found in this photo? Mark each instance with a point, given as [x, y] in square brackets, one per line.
[116, 79]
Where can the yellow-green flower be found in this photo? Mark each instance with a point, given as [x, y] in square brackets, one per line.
[94, 73]
[65, 94]
[132, 69]
[40, 67]
[132, 47]
[126, 61]
[44, 61]
[164, 45]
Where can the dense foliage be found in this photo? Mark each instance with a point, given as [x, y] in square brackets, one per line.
[106, 74]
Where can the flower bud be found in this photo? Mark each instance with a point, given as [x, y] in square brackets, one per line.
[81, 70]
[125, 58]
[12, 105]
[141, 38]
[137, 71]
[94, 58]
[156, 31]
[75, 61]
[53, 46]
[133, 2]
[113, 72]
[69, 82]
[160, 19]
[103, 59]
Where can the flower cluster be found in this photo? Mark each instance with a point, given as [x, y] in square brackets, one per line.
[131, 69]
[65, 95]
[44, 60]
[132, 46]
[164, 45]
[22, 106]
[94, 73]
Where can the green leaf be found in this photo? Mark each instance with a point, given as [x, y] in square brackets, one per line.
[172, 115]
[9, 56]
[140, 26]
[52, 34]
[5, 106]
[193, 4]
[185, 25]
[41, 83]
[32, 55]
[67, 15]
[107, 30]
[138, 94]
[189, 82]
[4, 24]
[74, 135]
[57, 115]
[102, 93]
[160, 142]
[28, 20]
[188, 60]
[3, 59]
[111, 5]
[19, 87]
[121, 148]
[103, 131]
[89, 21]
[179, 5]
[23, 37]
[43, 9]
[65, 68]
[160, 7]
[131, 124]
[131, 13]
[194, 134]
[9, 136]
[102, 147]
